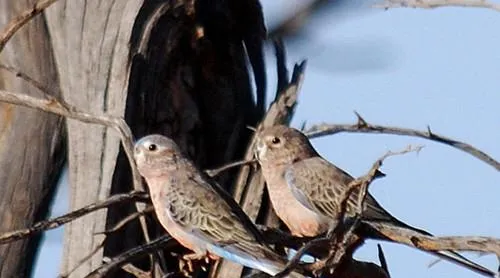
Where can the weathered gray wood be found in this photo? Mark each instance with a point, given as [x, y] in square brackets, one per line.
[90, 40]
[31, 142]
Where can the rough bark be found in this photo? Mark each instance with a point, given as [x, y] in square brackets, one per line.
[32, 150]
[90, 41]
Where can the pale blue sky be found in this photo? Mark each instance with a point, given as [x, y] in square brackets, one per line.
[409, 68]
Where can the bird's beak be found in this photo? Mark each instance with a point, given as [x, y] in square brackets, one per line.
[138, 153]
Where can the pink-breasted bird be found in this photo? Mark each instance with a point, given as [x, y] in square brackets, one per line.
[197, 212]
[305, 189]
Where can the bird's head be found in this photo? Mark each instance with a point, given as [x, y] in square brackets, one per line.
[155, 154]
[281, 145]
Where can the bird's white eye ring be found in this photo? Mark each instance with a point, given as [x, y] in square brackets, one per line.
[152, 147]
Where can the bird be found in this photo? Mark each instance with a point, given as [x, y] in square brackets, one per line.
[305, 189]
[197, 212]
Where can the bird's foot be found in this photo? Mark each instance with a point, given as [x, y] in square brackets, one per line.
[186, 262]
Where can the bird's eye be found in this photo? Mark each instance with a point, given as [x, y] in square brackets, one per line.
[275, 140]
[152, 147]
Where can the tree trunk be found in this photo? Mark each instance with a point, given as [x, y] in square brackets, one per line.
[32, 150]
[90, 40]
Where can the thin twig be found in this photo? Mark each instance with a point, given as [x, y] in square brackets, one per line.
[24, 17]
[83, 260]
[346, 238]
[131, 255]
[363, 127]
[61, 220]
[382, 259]
[126, 220]
[432, 4]
[295, 261]
[26, 78]
[130, 268]
[217, 171]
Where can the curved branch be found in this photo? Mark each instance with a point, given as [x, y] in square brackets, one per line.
[363, 127]
[130, 255]
[61, 220]
[14, 25]
[458, 243]
[53, 105]
[432, 4]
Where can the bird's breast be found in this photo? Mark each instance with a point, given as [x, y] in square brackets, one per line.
[300, 220]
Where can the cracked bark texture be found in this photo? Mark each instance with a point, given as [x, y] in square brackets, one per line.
[32, 151]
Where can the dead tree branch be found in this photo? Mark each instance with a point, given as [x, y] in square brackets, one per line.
[53, 105]
[132, 254]
[477, 244]
[217, 171]
[59, 221]
[364, 127]
[433, 243]
[14, 25]
[432, 4]
[83, 260]
[26, 78]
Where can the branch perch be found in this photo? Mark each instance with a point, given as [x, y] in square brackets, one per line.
[432, 4]
[364, 127]
[130, 255]
[61, 220]
[14, 25]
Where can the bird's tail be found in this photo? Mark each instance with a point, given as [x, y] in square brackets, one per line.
[275, 263]
[405, 234]
[255, 256]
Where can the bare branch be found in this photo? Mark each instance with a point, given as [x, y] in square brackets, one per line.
[127, 219]
[295, 261]
[458, 243]
[329, 129]
[53, 105]
[134, 253]
[83, 260]
[345, 238]
[217, 171]
[26, 78]
[432, 243]
[432, 4]
[383, 261]
[61, 220]
[14, 25]
[130, 268]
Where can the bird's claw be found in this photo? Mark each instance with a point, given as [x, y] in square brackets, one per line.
[187, 260]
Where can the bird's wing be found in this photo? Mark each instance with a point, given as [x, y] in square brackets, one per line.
[198, 208]
[234, 207]
[318, 185]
